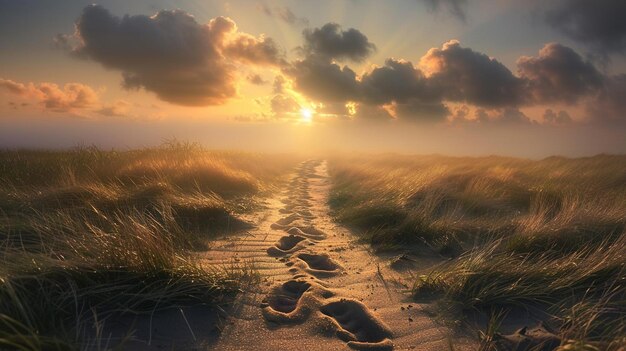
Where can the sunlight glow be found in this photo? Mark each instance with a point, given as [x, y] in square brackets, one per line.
[307, 114]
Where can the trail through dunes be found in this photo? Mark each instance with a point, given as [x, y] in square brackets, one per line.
[320, 289]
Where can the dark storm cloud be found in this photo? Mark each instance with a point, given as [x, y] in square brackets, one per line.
[558, 74]
[457, 8]
[600, 23]
[331, 42]
[465, 75]
[170, 54]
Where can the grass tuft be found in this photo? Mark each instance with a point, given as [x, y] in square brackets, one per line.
[88, 235]
[547, 235]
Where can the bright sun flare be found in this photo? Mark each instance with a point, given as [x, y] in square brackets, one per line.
[306, 114]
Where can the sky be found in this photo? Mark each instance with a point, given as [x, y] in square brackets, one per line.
[463, 77]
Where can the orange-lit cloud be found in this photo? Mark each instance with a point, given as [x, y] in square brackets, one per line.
[465, 75]
[170, 54]
[449, 75]
[71, 97]
[188, 63]
[257, 51]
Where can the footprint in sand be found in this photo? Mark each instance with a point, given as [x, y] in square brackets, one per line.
[304, 195]
[289, 219]
[297, 223]
[357, 326]
[288, 244]
[288, 209]
[295, 201]
[293, 301]
[318, 265]
[309, 232]
[302, 212]
[305, 214]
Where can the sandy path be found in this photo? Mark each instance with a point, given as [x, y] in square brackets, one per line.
[320, 289]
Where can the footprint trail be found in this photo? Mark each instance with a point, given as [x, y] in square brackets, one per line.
[320, 290]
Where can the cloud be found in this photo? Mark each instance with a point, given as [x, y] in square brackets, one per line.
[492, 116]
[283, 105]
[558, 74]
[398, 81]
[278, 87]
[465, 75]
[610, 105]
[406, 88]
[62, 42]
[599, 24]
[120, 108]
[511, 115]
[372, 113]
[257, 51]
[170, 54]
[284, 13]
[451, 73]
[457, 8]
[560, 118]
[454, 74]
[418, 110]
[73, 96]
[256, 79]
[323, 80]
[331, 42]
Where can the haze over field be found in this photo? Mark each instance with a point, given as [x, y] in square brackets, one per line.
[521, 78]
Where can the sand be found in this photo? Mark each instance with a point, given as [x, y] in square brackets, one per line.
[321, 290]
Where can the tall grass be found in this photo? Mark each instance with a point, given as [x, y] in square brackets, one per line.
[88, 235]
[521, 234]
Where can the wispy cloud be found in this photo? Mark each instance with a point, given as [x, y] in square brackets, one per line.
[283, 13]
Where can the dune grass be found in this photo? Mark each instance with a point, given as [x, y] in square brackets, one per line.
[517, 234]
[88, 235]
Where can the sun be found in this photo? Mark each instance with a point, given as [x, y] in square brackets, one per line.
[306, 114]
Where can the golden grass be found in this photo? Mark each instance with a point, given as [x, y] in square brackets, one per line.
[89, 232]
[547, 234]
